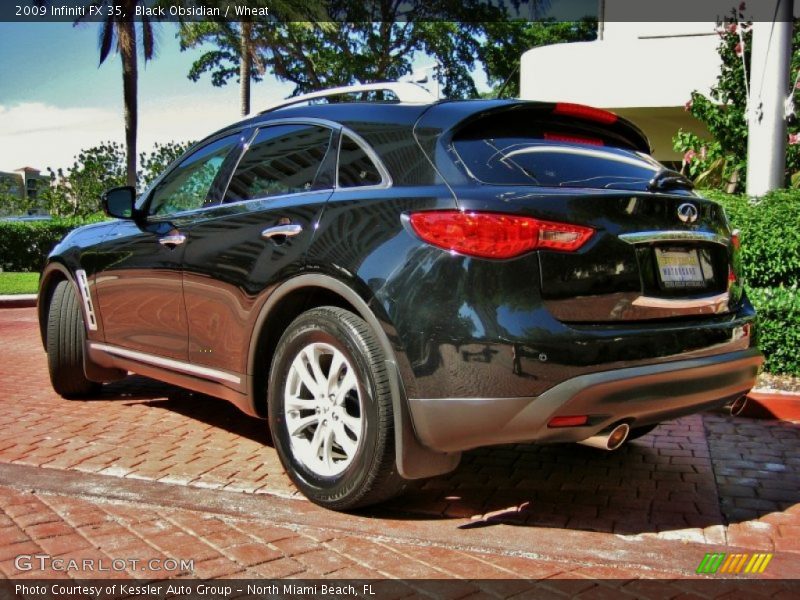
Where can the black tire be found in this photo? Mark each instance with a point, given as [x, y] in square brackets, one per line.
[371, 476]
[637, 432]
[66, 335]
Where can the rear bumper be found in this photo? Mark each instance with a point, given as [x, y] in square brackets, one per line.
[637, 395]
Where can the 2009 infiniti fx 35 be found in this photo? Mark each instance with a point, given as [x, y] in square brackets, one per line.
[392, 283]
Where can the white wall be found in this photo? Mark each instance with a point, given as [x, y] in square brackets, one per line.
[645, 71]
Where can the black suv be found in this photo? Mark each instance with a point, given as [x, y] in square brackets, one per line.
[392, 283]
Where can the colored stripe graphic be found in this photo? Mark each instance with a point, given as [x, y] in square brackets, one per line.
[720, 562]
[730, 563]
[711, 562]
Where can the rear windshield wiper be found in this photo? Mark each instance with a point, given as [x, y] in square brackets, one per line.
[667, 179]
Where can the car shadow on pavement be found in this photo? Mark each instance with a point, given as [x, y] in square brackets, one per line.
[212, 411]
[670, 480]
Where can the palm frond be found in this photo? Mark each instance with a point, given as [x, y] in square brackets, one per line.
[148, 41]
[107, 35]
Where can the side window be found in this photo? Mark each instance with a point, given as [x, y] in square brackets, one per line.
[355, 167]
[282, 159]
[187, 186]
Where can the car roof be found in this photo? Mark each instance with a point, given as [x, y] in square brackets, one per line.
[357, 114]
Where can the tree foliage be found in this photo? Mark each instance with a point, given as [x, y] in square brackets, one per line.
[378, 43]
[721, 161]
[506, 41]
[12, 199]
[75, 191]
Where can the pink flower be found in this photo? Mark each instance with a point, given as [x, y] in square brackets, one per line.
[732, 28]
[703, 153]
[689, 156]
[794, 139]
[739, 49]
[688, 106]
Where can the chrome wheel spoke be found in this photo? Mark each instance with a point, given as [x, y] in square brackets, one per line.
[316, 442]
[348, 383]
[344, 441]
[337, 362]
[298, 403]
[327, 448]
[299, 368]
[312, 356]
[296, 426]
[353, 424]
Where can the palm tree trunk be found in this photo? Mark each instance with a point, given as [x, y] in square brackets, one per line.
[127, 48]
[246, 66]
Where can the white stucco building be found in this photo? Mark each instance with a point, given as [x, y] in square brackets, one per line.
[644, 71]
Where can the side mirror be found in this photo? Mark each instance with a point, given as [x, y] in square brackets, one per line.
[119, 202]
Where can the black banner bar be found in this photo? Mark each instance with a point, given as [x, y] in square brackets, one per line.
[32, 11]
[332, 589]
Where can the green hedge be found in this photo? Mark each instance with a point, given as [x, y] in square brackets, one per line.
[770, 235]
[779, 327]
[24, 245]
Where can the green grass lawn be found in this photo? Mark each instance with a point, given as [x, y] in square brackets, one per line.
[18, 283]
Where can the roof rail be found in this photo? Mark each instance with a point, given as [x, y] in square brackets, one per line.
[406, 92]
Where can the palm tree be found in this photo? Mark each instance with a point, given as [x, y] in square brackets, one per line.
[238, 44]
[122, 30]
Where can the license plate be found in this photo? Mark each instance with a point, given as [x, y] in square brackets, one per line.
[679, 268]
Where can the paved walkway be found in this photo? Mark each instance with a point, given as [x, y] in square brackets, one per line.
[129, 473]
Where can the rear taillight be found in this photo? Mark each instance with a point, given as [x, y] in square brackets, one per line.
[736, 243]
[587, 113]
[493, 235]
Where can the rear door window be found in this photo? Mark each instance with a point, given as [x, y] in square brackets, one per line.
[356, 168]
[281, 159]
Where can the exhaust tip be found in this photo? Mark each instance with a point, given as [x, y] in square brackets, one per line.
[737, 406]
[609, 440]
[618, 436]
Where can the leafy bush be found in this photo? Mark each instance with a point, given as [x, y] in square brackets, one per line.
[779, 327]
[770, 236]
[24, 245]
[721, 160]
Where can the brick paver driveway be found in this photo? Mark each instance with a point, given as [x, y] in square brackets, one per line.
[151, 469]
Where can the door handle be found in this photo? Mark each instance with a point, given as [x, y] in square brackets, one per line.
[286, 230]
[175, 239]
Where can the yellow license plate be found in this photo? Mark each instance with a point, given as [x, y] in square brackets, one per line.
[679, 268]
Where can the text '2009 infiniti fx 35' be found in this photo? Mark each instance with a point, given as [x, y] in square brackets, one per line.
[390, 284]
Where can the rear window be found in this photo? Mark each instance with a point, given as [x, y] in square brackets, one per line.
[552, 153]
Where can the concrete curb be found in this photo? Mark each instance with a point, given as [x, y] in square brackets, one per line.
[18, 301]
[784, 406]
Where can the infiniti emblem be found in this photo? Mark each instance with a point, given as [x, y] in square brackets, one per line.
[687, 212]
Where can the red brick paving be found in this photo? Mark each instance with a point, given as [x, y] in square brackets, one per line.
[700, 480]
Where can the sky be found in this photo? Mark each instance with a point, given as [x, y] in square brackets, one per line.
[56, 100]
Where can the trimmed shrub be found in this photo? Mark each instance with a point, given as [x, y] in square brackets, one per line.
[24, 245]
[779, 327]
[770, 235]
